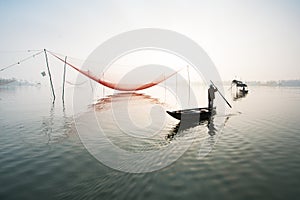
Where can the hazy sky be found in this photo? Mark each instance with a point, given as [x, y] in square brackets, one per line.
[253, 40]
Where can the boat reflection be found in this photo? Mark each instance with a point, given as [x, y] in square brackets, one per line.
[180, 127]
[239, 94]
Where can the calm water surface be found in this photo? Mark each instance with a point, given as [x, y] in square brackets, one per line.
[256, 155]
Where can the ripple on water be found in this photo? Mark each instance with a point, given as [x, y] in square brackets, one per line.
[255, 157]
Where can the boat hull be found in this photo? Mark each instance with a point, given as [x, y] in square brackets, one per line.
[243, 91]
[191, 115]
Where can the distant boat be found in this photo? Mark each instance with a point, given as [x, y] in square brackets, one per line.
[192, 115]
[242, 87]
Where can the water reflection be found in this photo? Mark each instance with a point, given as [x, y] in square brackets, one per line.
[208, 144]
[239, 94]
[56, 127]
[212, 133]
[180, 127]
[105, 103]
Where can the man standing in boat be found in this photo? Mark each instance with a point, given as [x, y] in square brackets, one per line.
[211, 96]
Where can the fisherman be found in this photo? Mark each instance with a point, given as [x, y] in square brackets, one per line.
[243, 90]
[211, 96]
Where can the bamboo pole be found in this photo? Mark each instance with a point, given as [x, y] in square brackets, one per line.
[49, 73]
[64, 80]
[176, 90]
[188, 71]
[165, 85]
[221, 94]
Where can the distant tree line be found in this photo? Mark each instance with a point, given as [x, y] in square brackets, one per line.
[287, 83]
[7, 81]
[13, 82]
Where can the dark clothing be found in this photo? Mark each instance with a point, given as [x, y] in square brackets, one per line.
[211, 96]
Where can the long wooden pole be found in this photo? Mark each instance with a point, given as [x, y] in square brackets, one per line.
[188, 71]
[49, 75]
[221, 95]
[165, 86]
[176, 83]
[64, 80]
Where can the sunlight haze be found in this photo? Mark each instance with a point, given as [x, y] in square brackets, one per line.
[252, 40]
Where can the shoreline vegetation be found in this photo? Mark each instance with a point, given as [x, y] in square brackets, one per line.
[280, 83]
[10, 82]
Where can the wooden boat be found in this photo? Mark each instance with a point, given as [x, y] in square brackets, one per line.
[239, 83]
[192, 115]
[242, 87]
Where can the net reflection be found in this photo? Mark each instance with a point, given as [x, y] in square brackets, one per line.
[106, 102]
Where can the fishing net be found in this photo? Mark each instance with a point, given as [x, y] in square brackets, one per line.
[128, 84]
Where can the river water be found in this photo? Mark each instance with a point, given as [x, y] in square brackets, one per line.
[254, 152]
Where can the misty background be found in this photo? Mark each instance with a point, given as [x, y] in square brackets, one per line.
[249, 40]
